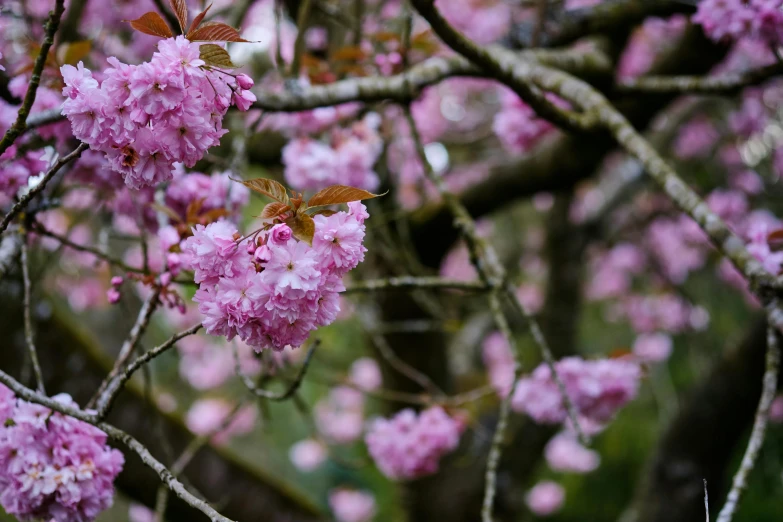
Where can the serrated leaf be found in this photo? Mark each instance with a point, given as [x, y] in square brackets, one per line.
[76, 51]
[215, 32]
[274, 209]
[180, 8]
[302, 227]
[153, 24]
[267, 187]
[216, 56]
[199, 18]
[337, 194]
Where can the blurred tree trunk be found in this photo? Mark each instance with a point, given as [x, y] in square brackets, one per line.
[704, 437]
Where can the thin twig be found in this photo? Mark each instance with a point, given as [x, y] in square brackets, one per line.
[728, 83]
[768, 390]
[24, 200]
[144, 454]
[28, 320]
[495, 450]
[412, 282]
[115, 384]
[368, 316]
[706, 502]
[288, 392]
[102, 399]
[187, 455]
[35, 78]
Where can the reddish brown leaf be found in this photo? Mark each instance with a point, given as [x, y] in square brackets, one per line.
[153, 24]
[348, 54]
[216, 56]
[180, 8]
[199, 18]
[168, 211]
[302, 227]
[387, 36]
[274, 209]
[775, 240]
[324, 212]
[267, 187]
[215, 32]
[339, 194]
[619, 353]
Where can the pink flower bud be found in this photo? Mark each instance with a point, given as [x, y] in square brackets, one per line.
[116, 281]
[244, 81]
[113, 295]
[280, 234]
[174, 262]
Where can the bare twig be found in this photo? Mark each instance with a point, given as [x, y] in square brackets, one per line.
[102, 399]
[706, 502]
[495, 450]
[115, 384]
[768, 390]
[288, 392]
[28, 320]
[728, 83]
[411, 282]
[20, 124]
[369, 318]
[165, 475]
[187, 455]
[24, 200]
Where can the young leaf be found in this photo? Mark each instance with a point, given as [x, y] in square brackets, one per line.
[215, 32]
[216, 56]
[325, 212]
[199, 18]
[339, 194]
[267, 187]
[76, 51]
[274, 209]
[180, 8]
[153, 24]
[302, 227]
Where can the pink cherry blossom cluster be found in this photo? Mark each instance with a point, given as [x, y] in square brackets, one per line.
[349, 158]
[145, 118]
[545, 498]
[52, 466]
[410, 445]
[307, 455]
[735, 19]
[274, 291]
[598, 389]
[207, 416]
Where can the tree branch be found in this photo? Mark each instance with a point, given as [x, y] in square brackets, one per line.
[35, 79]
[769, 388]
[28, 321]
[24, 200]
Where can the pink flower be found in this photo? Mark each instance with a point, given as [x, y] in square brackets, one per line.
[546, 498]
[52, 466]
[280, 234]
[213, 252]
[244, 81]
[307, 454]
[409, 446]
[352, 506]
[598, 389]
[206, 416]
[564, 453]
[366, 374]
[775, 410]
[140, 513]
[654, 347]
[340, 417]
